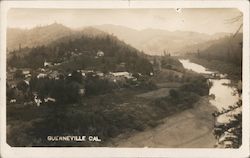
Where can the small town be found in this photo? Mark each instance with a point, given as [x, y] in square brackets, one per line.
[121, 86]
[19, 80]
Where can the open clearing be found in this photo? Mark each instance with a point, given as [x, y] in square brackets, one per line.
[191, 128]
[159, 93]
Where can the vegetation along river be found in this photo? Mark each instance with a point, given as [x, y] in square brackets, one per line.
[223, 94]
[227, 99]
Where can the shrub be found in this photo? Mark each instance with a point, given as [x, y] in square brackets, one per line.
[173, 93]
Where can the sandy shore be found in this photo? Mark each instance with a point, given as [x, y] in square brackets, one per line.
[191, 128]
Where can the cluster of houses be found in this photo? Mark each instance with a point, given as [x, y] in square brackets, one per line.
[38, 101]
[47, 71]
[116, 77]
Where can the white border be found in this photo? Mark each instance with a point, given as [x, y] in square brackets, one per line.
[7, 151]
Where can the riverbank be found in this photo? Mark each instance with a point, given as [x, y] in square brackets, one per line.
[234, 72]
[190, 128]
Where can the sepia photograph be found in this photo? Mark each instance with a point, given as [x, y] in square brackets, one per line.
[125, 77]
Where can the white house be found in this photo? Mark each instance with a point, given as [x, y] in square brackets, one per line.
[47, 64]
[122, 75]
[12, 100]
[27, 82]
[99, 53]
[41, 75]
[37, 101]
[82, 91]
[83, 74]
[26, 72]
[100, 74]
[56, 64]
[28, 75]
[49, 99]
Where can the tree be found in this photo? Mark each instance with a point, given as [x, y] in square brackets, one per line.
[173, 93]
[76, 76]
[22, 86]
[18, 74]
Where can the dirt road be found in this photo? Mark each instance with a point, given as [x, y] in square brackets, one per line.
[189, 129]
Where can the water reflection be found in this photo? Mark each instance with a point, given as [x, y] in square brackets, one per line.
[194, 67]
[225, 95]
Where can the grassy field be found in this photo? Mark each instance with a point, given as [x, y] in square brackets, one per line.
[191, 128]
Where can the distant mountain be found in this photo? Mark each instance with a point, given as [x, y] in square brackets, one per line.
[151, 41]
[44, 35]
[41, 35]
[155, 41]
[79, 50]
[220, 35]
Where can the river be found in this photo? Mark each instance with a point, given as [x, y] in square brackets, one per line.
[191, 128]
[224, 95]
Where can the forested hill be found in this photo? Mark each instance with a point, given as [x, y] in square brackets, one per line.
[40, 35]
[155, 41]
[228, 49]
[80, 51]
[151, 41]
[223, 55]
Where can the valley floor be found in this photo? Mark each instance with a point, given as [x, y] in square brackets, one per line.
[124, 118]
[191, 128]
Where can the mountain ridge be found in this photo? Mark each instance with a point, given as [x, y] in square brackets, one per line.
[151, 41]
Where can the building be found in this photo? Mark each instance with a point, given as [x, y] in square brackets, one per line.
[25, 72]
[49, 99]
[27, 76]
[100, 53]
[54, 75]
[27, 82]
[37, 100]
[41, 75]
[12, 100]
[122, 75]
[81, 91]
[47, 64]
[100, 74]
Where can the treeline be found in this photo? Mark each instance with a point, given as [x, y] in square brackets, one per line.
[227, 49]
[103, 116]
[81, 53]
[225, 56]
[184, 97]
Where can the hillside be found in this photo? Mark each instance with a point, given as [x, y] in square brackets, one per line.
[228, 49]
[91, 83]
[223, 55]
[80, 51]
[41, 35]
[155, 41]
[150, 41]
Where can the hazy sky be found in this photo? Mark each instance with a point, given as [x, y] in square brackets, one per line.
[200, 20]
